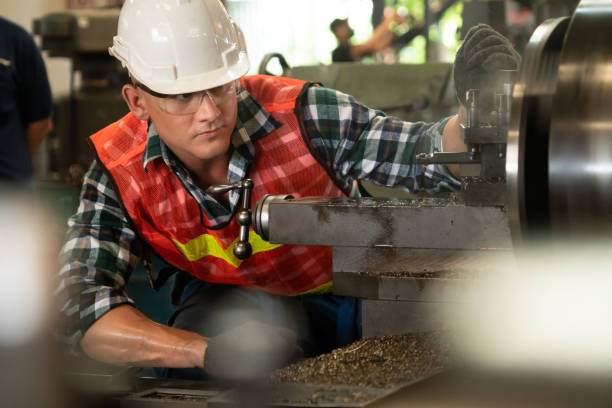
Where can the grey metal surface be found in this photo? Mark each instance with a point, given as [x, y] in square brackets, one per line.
[261, 214]
[387, 317]
[300, 395]
[412, 275]
[510, 389]
[479, 192]
[167, 398]
[163, 393]
[418, 262]
[400, 289]
[386, 223]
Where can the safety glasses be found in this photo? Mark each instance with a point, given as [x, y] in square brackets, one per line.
[188, 103]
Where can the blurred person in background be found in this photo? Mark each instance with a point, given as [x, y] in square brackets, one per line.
[25, 102]
[197, 120]
[381, 38]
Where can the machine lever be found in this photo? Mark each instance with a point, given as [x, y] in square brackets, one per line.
[242, 249]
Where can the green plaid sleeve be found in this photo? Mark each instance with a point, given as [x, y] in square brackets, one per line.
[360, 143]
[100, 252]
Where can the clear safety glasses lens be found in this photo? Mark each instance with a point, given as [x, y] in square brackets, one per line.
[185, 104]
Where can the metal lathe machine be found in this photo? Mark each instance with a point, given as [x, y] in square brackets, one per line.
[538, 168]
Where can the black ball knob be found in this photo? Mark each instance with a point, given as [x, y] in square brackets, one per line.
[242, 250]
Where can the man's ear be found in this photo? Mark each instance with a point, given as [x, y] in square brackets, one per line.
[136, 102]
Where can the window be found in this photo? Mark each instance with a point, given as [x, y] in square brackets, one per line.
[298, 29]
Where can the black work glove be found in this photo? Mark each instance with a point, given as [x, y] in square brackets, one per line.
[250, 351]
[483, 52]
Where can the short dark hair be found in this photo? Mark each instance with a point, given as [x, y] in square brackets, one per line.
[337, 23]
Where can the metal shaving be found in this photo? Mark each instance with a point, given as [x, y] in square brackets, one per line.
[381, 362]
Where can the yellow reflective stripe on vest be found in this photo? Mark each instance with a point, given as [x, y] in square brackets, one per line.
[206, 244]
[319, 290]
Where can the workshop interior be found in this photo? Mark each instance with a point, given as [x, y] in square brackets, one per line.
[498, 294]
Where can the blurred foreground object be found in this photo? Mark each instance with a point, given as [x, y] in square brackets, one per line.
[27, 349]
[250, 351]
[546, 314]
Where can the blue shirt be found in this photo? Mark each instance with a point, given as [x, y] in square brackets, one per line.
[25, 97]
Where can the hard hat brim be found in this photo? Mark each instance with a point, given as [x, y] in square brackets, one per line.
[196, 83]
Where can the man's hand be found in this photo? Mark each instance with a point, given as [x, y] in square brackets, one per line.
[250, 351]
[483, 52]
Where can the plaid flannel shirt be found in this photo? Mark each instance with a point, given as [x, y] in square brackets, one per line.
[102, 249]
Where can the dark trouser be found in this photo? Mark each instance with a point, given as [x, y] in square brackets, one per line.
[321, 322]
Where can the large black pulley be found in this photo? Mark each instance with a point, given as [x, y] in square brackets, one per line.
[559, 160]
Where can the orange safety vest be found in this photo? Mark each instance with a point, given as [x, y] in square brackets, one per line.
[168, 218]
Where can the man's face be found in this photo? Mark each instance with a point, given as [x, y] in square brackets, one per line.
[204, 132]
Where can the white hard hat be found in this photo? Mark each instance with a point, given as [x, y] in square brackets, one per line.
[179, 46]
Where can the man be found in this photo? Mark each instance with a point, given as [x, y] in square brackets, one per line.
[381, 38]
[25, 102]
[197, 121]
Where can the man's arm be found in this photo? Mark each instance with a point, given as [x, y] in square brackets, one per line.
[380, 39]
[126, 336]
[36, 132]
[381, 36]
[99, 255]
[360, 143]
